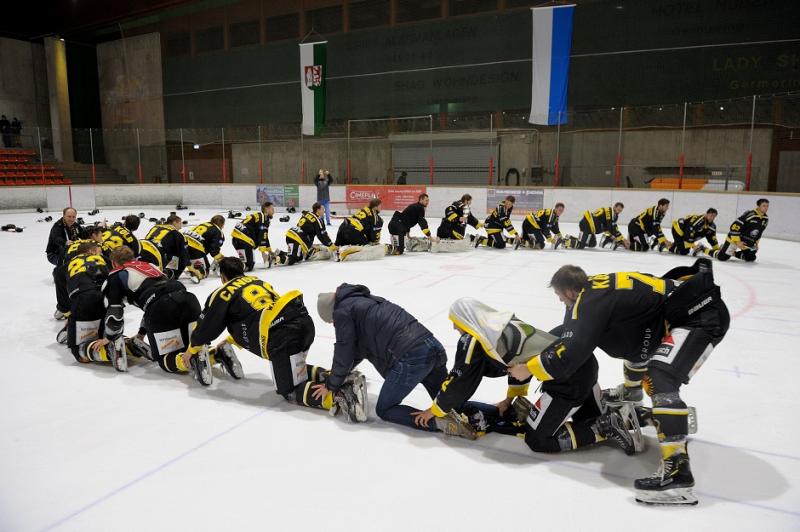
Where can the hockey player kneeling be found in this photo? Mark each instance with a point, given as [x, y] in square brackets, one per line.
[684, 308]
[203, 240]
[401, 224]
[169, 239]
[359, 236]
[541, 225]
[745, 234]
[403, 351]
[601, 221]
[498, 221]
[567, 416]
[169, 313]
[457, 216]
[93, 234]
[87, 271]
[270, 325]
[252, 234]
[300, 239]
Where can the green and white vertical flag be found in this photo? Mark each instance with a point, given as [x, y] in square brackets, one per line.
[313, 71]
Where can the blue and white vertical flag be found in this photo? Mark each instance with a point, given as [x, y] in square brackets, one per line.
[552, 43]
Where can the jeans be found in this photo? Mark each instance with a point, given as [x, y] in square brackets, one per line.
[327, 205]
[426, 363]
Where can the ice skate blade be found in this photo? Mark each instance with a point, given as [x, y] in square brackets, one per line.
[120, 356]
[669, 497]
[360, 390]
[628, 414]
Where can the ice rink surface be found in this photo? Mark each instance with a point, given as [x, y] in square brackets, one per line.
[85, 448]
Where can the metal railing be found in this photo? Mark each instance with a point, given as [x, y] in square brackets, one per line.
[674, 145]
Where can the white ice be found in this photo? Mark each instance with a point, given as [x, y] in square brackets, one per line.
[85, 448]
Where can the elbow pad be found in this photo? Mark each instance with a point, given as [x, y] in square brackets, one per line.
[115, 321]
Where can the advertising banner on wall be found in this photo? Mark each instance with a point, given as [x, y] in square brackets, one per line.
[392, 197]
[279, 195]
[526, 199]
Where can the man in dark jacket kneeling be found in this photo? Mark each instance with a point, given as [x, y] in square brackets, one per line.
[403, 351]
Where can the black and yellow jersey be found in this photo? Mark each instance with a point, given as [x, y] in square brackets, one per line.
[621, 313]
[247, 307]
[71, 251]
[603, 220]
[170, 240]
[545, 220]
[172, 244]
[151, 253]
[117, 236]
[412, 215]
[86, 272]
[451, 223]
[367, 222]
[205, 238]
[253, 231]
[748, 228]
[308, 227]
[461, 382]
[696, 227]
[649, 221]
[499, 219]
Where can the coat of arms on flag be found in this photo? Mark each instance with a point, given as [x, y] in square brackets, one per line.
[313, 70]
[313, 75]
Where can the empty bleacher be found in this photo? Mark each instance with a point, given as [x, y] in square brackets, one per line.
[20, 168]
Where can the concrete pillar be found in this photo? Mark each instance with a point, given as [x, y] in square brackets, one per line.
[56, 57]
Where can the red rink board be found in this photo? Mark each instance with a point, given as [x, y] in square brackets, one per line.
[393, 197]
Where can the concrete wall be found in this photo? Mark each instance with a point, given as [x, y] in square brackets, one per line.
[23, 86]
[282, 160]
[131, 97]
[587, 158]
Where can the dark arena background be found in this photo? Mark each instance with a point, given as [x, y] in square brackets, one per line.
[398, 129]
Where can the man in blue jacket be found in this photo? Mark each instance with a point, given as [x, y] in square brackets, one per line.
[403, 351]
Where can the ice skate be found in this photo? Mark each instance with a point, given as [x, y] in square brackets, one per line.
[138, 348]
[351, 400]
[698, 249]
[62, 336]
[226, 356]
[455, 424]
[522, 408]
[612, 426]
[621, 394]
[671, 485]
[201, 367]
[628, 414]
[117, 354]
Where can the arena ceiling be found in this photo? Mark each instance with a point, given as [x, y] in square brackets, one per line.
[87, 20]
